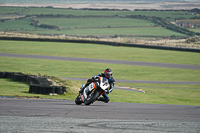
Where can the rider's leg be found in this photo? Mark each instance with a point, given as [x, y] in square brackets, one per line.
[82, 88]
[105, 98]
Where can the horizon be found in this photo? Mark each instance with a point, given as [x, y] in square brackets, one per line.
[95, 1]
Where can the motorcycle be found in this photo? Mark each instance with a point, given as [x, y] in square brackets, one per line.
[93, 92]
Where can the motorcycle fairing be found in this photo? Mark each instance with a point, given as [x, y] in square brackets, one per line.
[102, 83]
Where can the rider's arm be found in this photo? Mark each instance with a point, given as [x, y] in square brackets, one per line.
[112, 84]
[111, 88]
[95, 78]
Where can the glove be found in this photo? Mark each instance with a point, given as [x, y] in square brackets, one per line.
[108, 91]
[95, 78]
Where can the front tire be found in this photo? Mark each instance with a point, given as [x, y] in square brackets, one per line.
[92, 97]
[78, 100]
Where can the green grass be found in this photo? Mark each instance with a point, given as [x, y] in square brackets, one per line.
[162, 14]
[87, 70]
[11, 9]
[156, 93]
[99, 52]
[176, 96]
[72, 25]
[38, 11]
[67, 24]
[147, 31]
[143, 31]
[159, 96]
[10, 88]
[94, 22]
[18, 25]
[20, 89]
[195, 30]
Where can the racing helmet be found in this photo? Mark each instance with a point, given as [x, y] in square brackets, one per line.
[108, 73]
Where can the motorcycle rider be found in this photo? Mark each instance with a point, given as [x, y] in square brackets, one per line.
[107, 74]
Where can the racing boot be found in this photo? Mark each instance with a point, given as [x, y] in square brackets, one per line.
[105, 98]
[84, 86]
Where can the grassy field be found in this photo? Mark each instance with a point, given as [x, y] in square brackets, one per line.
[11, 9]
[93, 25]
[156, 93]
[19, 25]
[111, 32]
[68, 23]
[99, 52]
[195, 30]
[87, 70]
[54, 11]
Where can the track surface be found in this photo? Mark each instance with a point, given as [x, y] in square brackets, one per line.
[42, 115]
[137, 63]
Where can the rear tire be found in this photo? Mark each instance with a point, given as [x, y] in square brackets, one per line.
[92, 98]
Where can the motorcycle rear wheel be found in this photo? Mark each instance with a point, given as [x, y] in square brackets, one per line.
[92, 97]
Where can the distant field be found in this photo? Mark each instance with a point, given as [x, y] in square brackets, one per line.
[195, 30]
[115, 31]
[11, 9]
[68, 23]
[54, 11]
[19, 25]
[91, 26]
[90, 23]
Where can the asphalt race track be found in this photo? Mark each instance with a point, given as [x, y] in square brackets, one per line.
[49, 115]
[46, 115]
[137, 63]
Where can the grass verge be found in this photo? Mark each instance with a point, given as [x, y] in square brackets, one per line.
[176, 94]
[86, 70]
[20, 89]
[99, 52]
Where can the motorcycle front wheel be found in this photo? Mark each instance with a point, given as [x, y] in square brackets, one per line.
[78, 100]
[92, 97]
